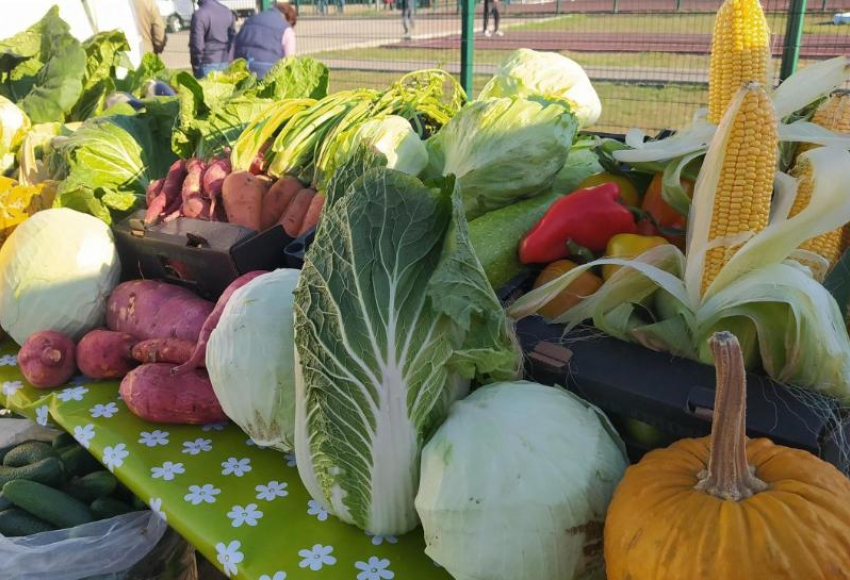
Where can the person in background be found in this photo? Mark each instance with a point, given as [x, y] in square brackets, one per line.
[211, 37]
[322, 6]
[151, 26]
[408, 12]
[492, 7]
[340, 6]
[267, 37]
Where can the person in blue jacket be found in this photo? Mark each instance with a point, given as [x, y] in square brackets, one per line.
[211, 35]
[267, 37]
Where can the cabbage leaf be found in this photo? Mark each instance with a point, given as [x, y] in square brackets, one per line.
[393, 318]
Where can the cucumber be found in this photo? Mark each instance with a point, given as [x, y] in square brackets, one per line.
[27, 453]
[48, 504]
[48, 471]
[92, 486]
[16, 522]
[495, 236]
[78, 461]
[107, 507]
[63, 440]
[4, 451]
[4, 503]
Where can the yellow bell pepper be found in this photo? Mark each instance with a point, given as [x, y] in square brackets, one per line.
[628, 192]
[628, 246]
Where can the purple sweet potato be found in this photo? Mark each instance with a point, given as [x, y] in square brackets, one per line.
[163, 202]
[154, 394]
[149, 309]
[213, 178]
[153, 190]
[47, 359]
[197, 208]
[105, 354]
[200, 351]
[164, 350]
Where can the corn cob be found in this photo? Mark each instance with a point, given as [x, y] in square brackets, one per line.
[742, 198]
[740, 53]
[828, 244]
[832, 114]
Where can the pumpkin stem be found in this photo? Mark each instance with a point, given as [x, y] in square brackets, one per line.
[729, 476]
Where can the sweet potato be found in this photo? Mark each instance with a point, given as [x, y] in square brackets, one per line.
[242, 194]
[155, 208]
[47, 359]
[314, 212]
[197, 208]
[294, 215]
[152, 393]
[164, 350]
[149, 309]
[192, 184]
[105, 354]
[277, 199]
[200, 351]
[153, 190]
[213, 178]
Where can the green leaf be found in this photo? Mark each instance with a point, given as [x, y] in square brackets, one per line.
[295, 78]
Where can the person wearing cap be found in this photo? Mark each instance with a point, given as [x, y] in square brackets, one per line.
[267, 37]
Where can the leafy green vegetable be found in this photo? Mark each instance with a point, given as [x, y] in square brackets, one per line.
[262, 129]
[502, 150]
[582, 162]
[393, 317]
[14, 126]
[295, 78]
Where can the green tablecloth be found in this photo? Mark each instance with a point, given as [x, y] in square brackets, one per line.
[243, 507]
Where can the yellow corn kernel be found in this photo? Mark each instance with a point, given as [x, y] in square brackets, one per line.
[745, 187]
[826, 245]
[832, 114]
[740, 53]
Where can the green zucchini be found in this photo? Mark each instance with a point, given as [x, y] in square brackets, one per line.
[78, 461]
[92, 486]
[63, 440]
[27, 453]
[49, 471]
[48, 504]
[4, 451]
[107, 507]
[16, 522]
[496, 235]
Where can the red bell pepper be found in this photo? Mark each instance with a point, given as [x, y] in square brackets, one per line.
[587, 218]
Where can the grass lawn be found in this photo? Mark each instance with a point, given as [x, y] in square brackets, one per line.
[623, 105]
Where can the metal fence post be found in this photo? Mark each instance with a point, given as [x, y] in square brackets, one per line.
[616, 8]
[793, 38]
[557, 6]
[467, 20]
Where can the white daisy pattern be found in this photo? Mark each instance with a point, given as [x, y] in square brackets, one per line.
[290, 459]
[72, 394]
[12, 387]
[272, 490]
[156, 507]
[197, 446]
[244, 515]
[202, 494]
[237, 467]
[228, 555]
[114, 456]
[41, 415]
[275, 576]
[84, 434]
[374, 569]
[167, 471]
[106, 411]
[214, 426]
[314, 508]
[153, 438]
[8, 360]
[378, 539]
[317, 557]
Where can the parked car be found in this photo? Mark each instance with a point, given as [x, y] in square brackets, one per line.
[177, 13]
[242, 8]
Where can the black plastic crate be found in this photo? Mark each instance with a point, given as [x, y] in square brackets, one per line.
[201, 255]
[671, 394]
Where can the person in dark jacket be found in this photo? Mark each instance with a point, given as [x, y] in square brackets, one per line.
[267, 37]
[211, 37]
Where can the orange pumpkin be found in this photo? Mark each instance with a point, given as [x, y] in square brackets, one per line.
[728, 508]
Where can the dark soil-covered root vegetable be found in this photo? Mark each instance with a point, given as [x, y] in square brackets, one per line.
[149, 309]
[47, 359]
[154, 394]
[200, 352]
[106, 354]
[164, 350]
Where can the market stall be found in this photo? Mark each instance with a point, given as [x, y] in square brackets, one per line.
[326, 335]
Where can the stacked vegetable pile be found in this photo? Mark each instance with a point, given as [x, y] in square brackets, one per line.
[58, 485]
[759, 243]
